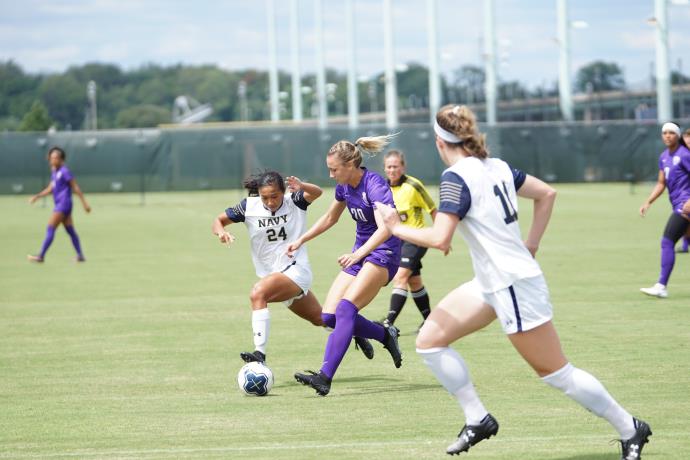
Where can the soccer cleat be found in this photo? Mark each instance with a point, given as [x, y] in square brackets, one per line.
[254, 356]
[319, 382]
[37, 259]
[658, 290]
[390, 343]
[80, 259]
[632, 448]
[472, 434]
[363, 344]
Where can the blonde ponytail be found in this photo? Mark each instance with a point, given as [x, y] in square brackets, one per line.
[348, 152]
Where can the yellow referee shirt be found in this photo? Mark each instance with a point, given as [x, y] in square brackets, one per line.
[411, 198]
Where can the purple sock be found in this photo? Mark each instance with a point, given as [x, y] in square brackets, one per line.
[368, 329]
[328, 319]
[339, 340]
[668, 259]
[50, 234]
[75, 239]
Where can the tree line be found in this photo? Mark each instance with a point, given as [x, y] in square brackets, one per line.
[143, 97]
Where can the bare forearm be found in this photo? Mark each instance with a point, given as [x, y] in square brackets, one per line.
[656, 193]
[379, 236]
[543, 208]
[311, 191]
[426, 237]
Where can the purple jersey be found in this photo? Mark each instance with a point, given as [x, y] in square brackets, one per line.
[62, 191]
[676, 169]
[360, 204]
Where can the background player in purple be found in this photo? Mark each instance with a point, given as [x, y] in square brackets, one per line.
[370, 265]
[674, 174]
[62, 184]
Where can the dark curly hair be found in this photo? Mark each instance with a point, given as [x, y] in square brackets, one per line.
[261, 179]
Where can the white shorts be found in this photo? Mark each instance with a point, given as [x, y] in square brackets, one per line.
[520, 307]
[302, 277]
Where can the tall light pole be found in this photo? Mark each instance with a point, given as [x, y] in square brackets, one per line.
[490, 62]
[564, 86]
[663, 73]
[434, 75]
[352, 94]
[320, 71]
[389, 63]
[91, 95]
[294, 55]
[272, 62]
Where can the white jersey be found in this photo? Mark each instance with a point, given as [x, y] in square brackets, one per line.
[482, 193]
[271, 232]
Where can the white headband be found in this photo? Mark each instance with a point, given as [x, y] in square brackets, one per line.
[670, 127]
[446, 135]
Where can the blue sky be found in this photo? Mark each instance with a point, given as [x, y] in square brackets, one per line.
[49, 36]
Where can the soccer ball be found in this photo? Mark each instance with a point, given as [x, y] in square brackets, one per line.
[255, 379]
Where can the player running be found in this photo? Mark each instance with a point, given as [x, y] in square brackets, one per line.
[674, 174]
[273, 219]
[62, 184]
[370, 265]
[411, 201]
[478, 196]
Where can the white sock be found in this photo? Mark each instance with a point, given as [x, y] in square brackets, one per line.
[261, 324]
[584, 388]
[450, 369]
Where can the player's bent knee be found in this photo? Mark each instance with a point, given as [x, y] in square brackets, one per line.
[258, 294]
[430, 336]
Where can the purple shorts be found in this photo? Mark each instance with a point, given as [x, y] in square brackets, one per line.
[64, 208]
[381, 257]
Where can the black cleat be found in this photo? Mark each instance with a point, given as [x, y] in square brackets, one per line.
[472, 434]
[254, 356]
[318, 382]
[632, 448]
[363, 344]
[390, 343]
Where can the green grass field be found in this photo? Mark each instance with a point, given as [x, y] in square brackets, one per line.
[134, 354]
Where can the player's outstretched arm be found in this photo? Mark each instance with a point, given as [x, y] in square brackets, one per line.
[544, 197]
[325, 222]
[77, 191]
[45, 192]
[439, 236]
[218, 229]
[656, 193]
[311, 191]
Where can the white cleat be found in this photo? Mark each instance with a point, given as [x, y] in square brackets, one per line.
[658, 290]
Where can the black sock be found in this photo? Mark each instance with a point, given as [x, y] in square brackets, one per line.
[421, 299]
[398, 299]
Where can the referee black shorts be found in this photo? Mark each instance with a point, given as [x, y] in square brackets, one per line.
[411, 257]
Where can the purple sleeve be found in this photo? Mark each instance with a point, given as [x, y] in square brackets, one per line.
[339, 192]
[379, 190]
[685, 161]
[67, 174]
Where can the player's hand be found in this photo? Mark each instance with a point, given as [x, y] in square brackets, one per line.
[532, 248]
[294, 184]
[390, 216]
[292, 248]
[33, 199]
[686, 208]
[348, 260]
[643, 209]
[447, 251]
[87, 208]
[226, 238]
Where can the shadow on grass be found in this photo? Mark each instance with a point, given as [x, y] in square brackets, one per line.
[610, 456]
[372, 384]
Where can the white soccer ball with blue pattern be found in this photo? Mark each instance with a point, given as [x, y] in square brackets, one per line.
[255, 379]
